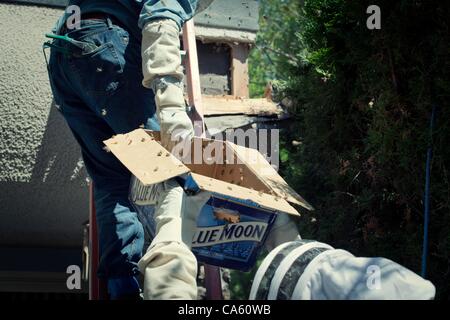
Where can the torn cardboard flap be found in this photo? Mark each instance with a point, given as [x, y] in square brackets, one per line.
[145, 158]
[230, 190]
[268, 175]
[248, 168]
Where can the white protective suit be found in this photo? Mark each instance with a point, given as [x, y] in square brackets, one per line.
[310, 270]
[169, 267]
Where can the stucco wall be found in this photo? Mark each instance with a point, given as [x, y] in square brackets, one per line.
[43, 191]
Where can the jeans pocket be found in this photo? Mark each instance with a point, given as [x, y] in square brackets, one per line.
[129, 49]
[99, 70]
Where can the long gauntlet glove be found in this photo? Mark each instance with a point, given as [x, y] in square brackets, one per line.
[169, 266]
[161, 65]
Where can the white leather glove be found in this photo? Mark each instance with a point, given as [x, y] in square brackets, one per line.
[169, 266]
[175, 125]
[161, 66]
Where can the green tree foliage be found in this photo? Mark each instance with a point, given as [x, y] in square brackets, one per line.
[361, 104]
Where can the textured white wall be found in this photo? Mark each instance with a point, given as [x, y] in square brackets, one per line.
[43, 189]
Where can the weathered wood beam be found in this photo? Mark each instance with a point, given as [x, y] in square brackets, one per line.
[239, 70]
[193, 76]
[218, 105]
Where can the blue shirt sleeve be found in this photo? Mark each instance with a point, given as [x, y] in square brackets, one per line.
[177, 10]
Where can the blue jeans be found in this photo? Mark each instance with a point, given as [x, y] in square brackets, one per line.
[99, 92]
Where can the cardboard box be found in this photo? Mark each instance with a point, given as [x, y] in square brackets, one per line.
[247, 193]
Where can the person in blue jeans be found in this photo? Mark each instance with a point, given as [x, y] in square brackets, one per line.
[114, 71]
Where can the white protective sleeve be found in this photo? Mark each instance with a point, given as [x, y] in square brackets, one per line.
[161, 51]
[338, 275]
[169, 266]
[162, 70]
